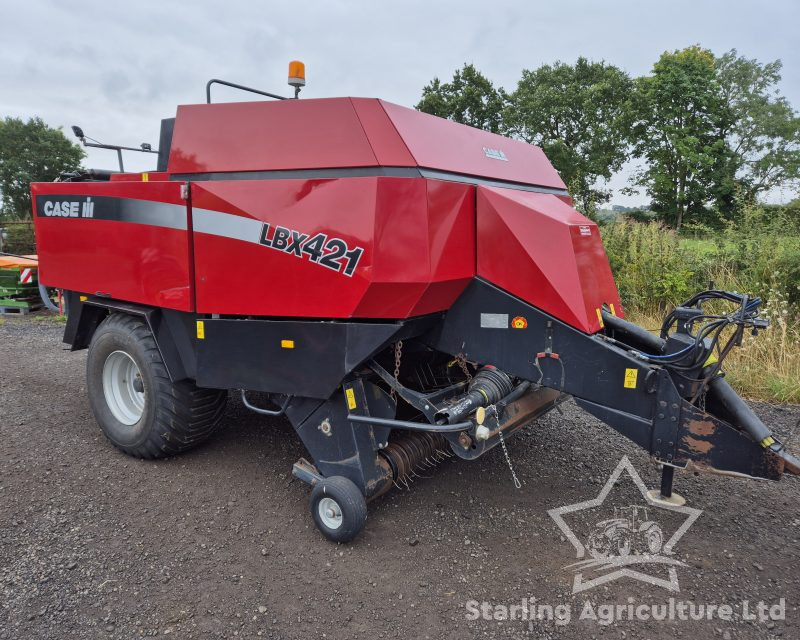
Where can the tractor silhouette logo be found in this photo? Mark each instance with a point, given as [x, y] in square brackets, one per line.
[619, 546]
[629, 531]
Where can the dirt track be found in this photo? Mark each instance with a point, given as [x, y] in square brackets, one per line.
[219, 543]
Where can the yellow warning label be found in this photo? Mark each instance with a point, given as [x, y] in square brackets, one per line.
[631, 376]
[83, 298]
[287, 344]
[600, 317]
[201, 330]
[145, 177]
[351, 398]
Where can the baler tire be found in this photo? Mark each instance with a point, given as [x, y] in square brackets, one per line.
[351, 505]
[175, 417]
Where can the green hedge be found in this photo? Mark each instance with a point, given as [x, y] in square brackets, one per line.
[656, 269]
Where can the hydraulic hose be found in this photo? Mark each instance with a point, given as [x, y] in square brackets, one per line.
[46, 299]
[642, 338]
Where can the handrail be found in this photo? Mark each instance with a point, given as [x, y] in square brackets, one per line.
[238, 86]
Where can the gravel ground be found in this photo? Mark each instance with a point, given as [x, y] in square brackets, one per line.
[218, 543]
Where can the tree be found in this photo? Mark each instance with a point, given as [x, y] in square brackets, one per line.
[680, 111]
[580, 116]
[762, 130]
[31, 152]
[469, 99]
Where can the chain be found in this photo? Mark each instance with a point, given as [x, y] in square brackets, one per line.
[461, 361]
[517, 483]
[398, 354]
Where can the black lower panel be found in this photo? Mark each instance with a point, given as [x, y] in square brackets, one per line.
[299, 358]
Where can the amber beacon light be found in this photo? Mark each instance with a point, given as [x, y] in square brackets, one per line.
[297, 76]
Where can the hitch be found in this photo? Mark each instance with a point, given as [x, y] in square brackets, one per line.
[666, 393]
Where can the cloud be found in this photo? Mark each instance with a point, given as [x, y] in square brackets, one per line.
[118, 68]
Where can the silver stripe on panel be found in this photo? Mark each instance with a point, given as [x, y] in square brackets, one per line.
[227, 225]
[157, 214]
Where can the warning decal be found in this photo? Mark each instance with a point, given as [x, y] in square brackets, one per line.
[351, 398]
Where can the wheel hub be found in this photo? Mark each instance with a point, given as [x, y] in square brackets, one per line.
[123, 388]
[330, 513]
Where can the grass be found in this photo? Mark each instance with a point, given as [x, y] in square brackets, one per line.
[47, 318]
[656, 269]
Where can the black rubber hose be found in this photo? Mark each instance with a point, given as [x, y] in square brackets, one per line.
[642, 339]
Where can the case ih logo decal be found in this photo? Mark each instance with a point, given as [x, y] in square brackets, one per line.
[332, 253]
[73, 208]
[495, 154]
[112, 208]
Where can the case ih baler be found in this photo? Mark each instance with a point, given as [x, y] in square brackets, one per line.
[403, 288]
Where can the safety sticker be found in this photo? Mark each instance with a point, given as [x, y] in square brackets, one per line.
[26, 276]
[351, 398]
[600, 317]
[631, 375]
[585, 230]
[201, 330]
[519, 323]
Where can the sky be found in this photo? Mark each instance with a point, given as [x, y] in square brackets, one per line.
[117, 68]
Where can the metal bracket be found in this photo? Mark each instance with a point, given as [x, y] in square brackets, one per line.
[266, 412]
[666, 419]
[429, 404]
[305, 471]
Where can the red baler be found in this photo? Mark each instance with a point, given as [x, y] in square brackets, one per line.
[403, 288]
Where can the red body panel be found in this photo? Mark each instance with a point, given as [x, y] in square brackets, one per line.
[417, 238]
[124, 260]
[449, 146]
[345, 132]
[540, 249]
[388, 146]
[267, 136]
[355, 246]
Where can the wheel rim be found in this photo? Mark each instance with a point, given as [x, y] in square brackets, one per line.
[121, 377]
[330, 513]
